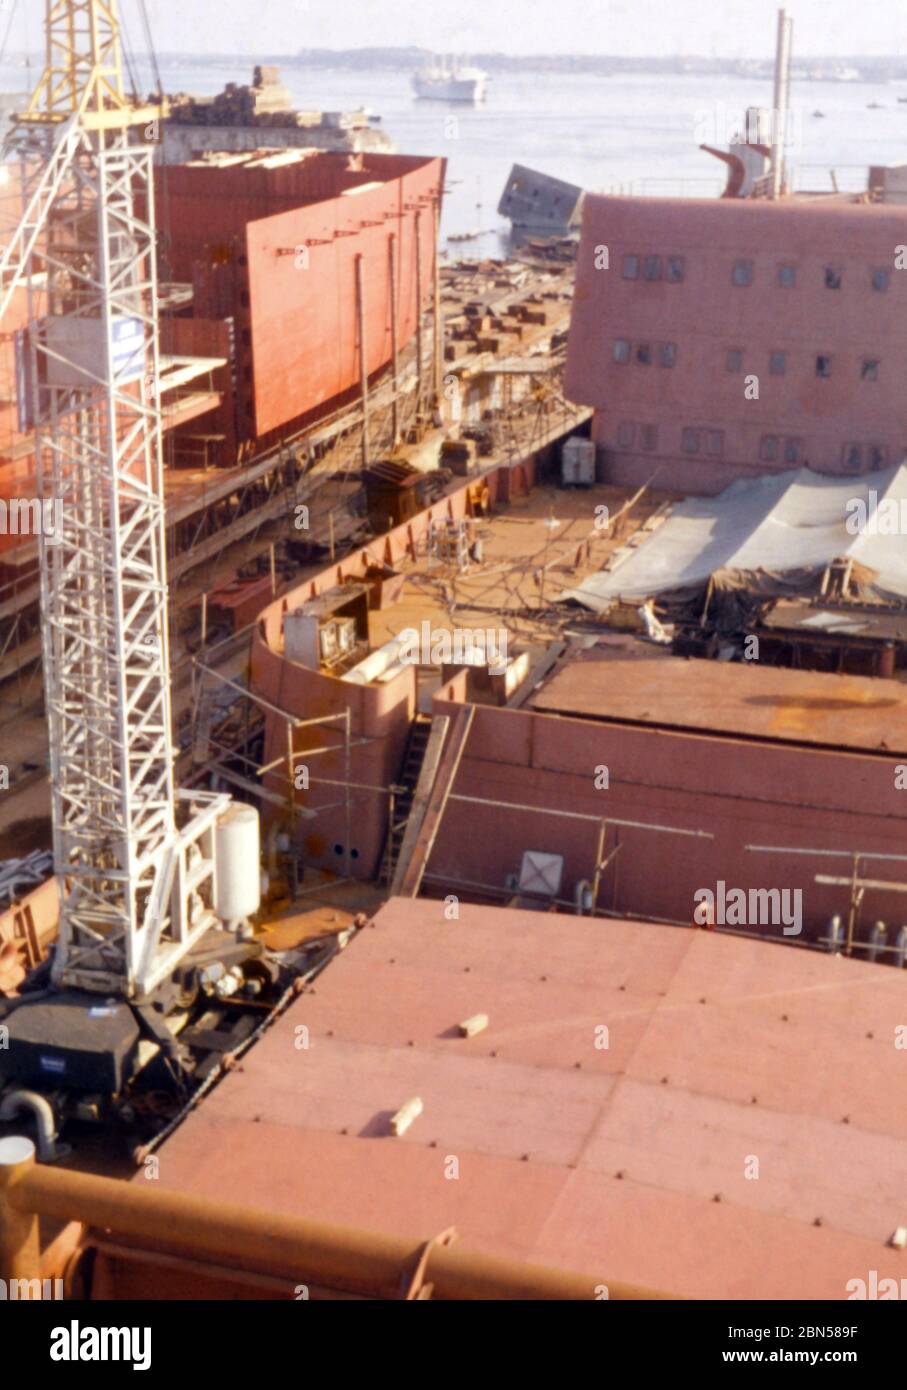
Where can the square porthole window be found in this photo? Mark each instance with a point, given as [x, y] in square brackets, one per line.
[644, 354]
[734, 360]
[630, 269]
[667, 354]
[651, 267]
[787, 276]
[768, 448]
[875, 456]
[676, 267]
[833, 278]
[869, 369]
[853, 458]
[880, 278]
[823, 365]
[621, 349]
[742, 273]
[777, 363]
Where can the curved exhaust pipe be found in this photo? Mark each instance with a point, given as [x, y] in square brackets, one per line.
[15, 1101]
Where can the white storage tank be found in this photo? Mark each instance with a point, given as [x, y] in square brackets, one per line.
[577, 462]
[237, 893]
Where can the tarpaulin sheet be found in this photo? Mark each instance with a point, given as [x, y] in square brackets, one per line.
[774, 533]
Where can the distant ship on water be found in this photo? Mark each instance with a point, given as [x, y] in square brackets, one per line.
[450, 82]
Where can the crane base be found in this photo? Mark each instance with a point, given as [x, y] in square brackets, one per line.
[95, 1042]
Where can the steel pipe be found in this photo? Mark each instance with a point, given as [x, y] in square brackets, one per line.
[273, 1243]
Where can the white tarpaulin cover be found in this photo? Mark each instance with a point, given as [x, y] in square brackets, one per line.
[782, 524]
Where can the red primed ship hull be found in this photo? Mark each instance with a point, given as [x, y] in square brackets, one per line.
[276, 250]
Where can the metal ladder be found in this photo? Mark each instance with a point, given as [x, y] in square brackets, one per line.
[405, 790]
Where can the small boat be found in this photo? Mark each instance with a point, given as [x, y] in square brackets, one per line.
[450, 82]
[874, 106]
[465, 236]
[819, 113]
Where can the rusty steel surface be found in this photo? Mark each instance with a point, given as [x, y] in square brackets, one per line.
[627, 1161]
[204, 1238]
[839, 625]
[642, 684]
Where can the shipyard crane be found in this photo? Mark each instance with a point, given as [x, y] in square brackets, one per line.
[137, 861]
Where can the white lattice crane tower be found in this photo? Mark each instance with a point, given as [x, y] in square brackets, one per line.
[137, 883]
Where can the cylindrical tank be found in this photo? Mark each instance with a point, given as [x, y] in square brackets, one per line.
[900, 947]
[371, 667]
[237, 893]
[834, 935]
[877, 940]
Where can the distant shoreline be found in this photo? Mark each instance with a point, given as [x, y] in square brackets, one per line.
[602, 65]
[807, 68]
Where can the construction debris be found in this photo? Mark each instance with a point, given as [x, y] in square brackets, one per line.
[404, 1117]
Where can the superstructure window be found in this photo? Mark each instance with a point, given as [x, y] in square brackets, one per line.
[630, 269]
[869, 369]
[787, 276]
[644, 354]
[734, 360]
[714, 443]
[858, 458]
[777, 363]
[880, 279]
[621, 349]
[676, 267]
[742, 273]
[823, 365]
[793, 450]
[689, 441]
[768, 448]
[648, 437]
[651, 267]
[833, 278]
[625, 433]
[667, 354]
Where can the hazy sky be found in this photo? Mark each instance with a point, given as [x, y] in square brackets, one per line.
[725, 28]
